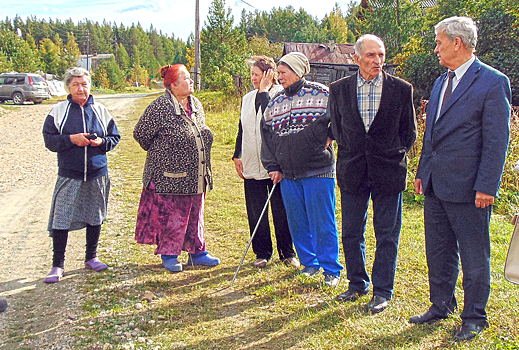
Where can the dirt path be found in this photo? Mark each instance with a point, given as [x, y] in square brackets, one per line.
[39, 316]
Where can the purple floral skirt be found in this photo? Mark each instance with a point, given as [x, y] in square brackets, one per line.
[174, 223]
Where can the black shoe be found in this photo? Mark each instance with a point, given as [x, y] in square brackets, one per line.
[377, 304]
[352, 295]
[468, 331]
[427, 318]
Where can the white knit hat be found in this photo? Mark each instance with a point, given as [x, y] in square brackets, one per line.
[298, 62]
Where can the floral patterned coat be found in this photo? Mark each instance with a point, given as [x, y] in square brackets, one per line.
[178, 146]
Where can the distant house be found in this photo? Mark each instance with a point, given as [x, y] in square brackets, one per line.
[329, 62]
[93, 60]
[323, 53]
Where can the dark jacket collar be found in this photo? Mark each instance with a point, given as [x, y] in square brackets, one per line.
[293, 89]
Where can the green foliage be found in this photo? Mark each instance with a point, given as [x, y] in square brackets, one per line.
[498, 25]
[448, 8]
[71, 51]
[175, 50]
[150, 49]
[21, 56]
[143, 53]
[336, 26]
[50, 54]
[418, 66]
[139, 73]
[262, 46]
[56, 56]
[498, 43]
[393, 21]
[5, 64]
[282, 25]
[123, 59]
[223, 50]
[508, 201]
[109, 75]
[100, 77]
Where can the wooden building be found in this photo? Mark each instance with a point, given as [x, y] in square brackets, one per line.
[329, 62]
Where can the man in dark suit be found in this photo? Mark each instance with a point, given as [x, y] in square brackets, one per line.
[373, 122]
[460, 169]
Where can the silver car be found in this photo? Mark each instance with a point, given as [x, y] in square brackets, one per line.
[20, 87]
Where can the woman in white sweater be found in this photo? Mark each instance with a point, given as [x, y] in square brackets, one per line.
[247, 160]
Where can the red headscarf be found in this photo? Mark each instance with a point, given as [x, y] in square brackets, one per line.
[170, 74]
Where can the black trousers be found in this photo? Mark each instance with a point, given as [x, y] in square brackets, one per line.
[256, 194]
[59, 244]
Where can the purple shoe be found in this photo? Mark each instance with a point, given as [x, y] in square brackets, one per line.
[55, 275]
[95, 264]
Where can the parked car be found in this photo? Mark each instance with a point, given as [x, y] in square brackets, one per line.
[21, 87]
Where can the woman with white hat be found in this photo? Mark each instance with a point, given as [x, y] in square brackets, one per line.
[298, 154]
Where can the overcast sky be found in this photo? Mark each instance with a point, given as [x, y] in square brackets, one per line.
[172, 16]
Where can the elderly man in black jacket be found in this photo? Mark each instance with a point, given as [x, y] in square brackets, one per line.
[373, 122]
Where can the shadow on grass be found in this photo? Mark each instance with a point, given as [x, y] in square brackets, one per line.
[199, 300]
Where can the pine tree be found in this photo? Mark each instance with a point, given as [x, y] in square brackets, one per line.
[223, 49]
[116, 76]
[5, 64]
[50, 54]
[109, 75]
[71, 50]
[21, 57]
[336, 26]
[123, 59]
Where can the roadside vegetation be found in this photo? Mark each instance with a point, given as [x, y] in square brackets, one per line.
[136, 304]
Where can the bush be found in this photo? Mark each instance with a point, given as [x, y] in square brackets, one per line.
[498, 45]
[508, 201]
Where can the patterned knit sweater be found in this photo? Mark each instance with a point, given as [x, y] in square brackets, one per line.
[295, 131]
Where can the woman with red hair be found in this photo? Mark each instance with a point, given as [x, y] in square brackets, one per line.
[177, 173]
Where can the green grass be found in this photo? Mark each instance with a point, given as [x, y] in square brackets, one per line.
[273, 308]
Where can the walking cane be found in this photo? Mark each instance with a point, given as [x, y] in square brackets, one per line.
[253, 233]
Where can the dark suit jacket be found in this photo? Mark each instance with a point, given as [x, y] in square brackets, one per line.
[378, 156]
[465, 150]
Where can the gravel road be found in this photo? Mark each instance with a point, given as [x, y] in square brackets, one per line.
[39, 316]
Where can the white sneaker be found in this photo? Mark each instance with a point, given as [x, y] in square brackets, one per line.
[292, 262]
[331, 280]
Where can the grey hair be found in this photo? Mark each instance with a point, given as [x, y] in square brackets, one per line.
[459, 27]
[76, 72]
[359, 44]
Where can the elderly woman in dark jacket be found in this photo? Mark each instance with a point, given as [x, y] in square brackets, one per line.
[297, 152]
[176, 174]
[81, 131]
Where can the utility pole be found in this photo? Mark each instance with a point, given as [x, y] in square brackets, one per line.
[88, 49]
[399, 25]
[197, 46]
